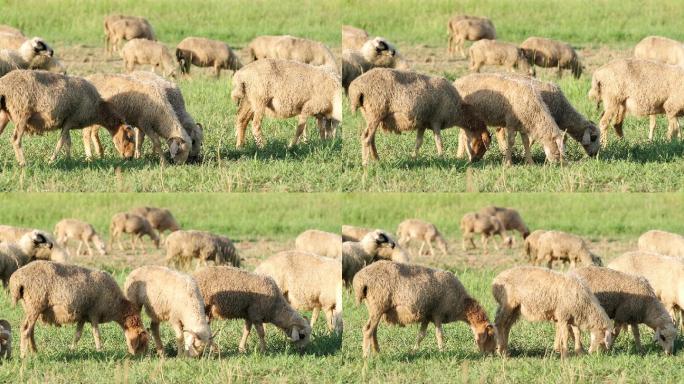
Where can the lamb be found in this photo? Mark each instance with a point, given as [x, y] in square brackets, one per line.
[126, 28]
[233, 293]
[183, 246]
[143, 51]
[308, 282]
[509, 217]
[265, 87]
[629, 300]
[401, 101]
[660, 49]
[531, 246]
[83, 232]
[665, 243]
[494, 52]
[24, 56]
[203, 52]
[5, 340]
[11, 234]
[375, 53]
[405, 294]
[539, 294]
[320, 243]
[501, 101]
[14, 255]
[291, 48]
[352, 37]
[62, 102]
[356, 255]
[426, 233]
[161, 219]
[352, 233]
[548, 53]
[168, 295]
[486, 225]
[135, 225]
[61, 294]
[464, 28]
[638, 87]
[564, 247]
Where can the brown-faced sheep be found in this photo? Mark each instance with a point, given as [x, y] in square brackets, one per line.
[135, 225]
[320, 243]
[184, 246]
[548, 53]
[161, 219]
[486, 225]
[126, 28]
[661, 49]
[291, 48]
[399, 101]
[509, 217]
[203, 52]
[148, 52]
[233, 293]
[308, 282]
[499, 53]
[665, 243]
[565, 247]
[356, 255]
[353, 38]
[464, 28]
[426, 233]
[406, 294]
[539, 294]
[375, 53]
[79, 230]
[14, 255]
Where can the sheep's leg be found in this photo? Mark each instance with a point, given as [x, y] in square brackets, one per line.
[314, 316]
[510, 143]
[78, 249]
[421, 334]
[154, 328]
[637, 337]
[619, 120]
[217, 70]
[485, 240]
[562, 334]
[504, 320]
[430, 249]
[608, 114]
[420, 251]
[245, 334]
[472, 242]
[19, 128]
[28, 342]
[439, 334]
[437, 131]
[672, 127]
[180, 341]
[64, 141]
[301, 126]
[262, 336]
[420, 133]
[90, 250]
[651, 126]
[256, 129]
[368, 141]
[96, 334]
[579, 349]
[526, 147]
[244, 116]
[118, 239]
[370, 336]
[77, 335]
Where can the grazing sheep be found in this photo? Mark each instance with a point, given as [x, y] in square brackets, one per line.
[398, 254]
[24, 56]
[169, 295]
[11, 234]
[660, 49]
[61, 294]
[308, 282]
[233, 293]
[10, 29]
[629, 300]
[160, 219]
[79, 230]
[494, 52]
[548, 53]
[464, 28]
[108, 21]
[267, 87]
[426, 233]
[287, 47]
[5, 340]
[135, 225]
[531, 246]
[509, 217]
[352, 233]
[375, 53]
[502, 101]
[664, 273]
[486, 225]
[406, 294]
[665, 243]
[38, 102]
[400, 101]
[11, 40]
[641, 88]
[356, 255]
[143, 51]
[539, 294]
[183, 246]
[203, 52]
[14, 255]
[126, 28]
[352, 37]
[565, 247]
[320, 243]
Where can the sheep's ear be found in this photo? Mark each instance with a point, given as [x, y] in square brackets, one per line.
[174, 147]
[295, 334]
[586, 137]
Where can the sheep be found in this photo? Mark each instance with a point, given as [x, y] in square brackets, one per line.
[502, 101]
[14, 255]
[11, 40]
[398, 253]
[494, 52]
[61, 294]
[5, 339]
[143, 51]
[406, 294]
[233, 293]
[509, 217]
[664, 273]
[288, 47]
[320, 243]
[548, 53]
[531, 245]
[23, 57]
[308, 282]
[403, 101]
[38, 102]
[660, 49]
[374, 53]
[135, 225]
[169, 295]
[564, 247]
[183, 246]
[464, 28]
[665, 243]
[267, 87]
[145, 105]
[126, 28]
[161, 219]
[629, 300]
[352, 233]
[638, 87]
[204, 52]
[10, 29]
[486, 225]
[57, 253]
[352, 37]
[415, 229]
[539, 294]
[79, 230]
[356, 255]
[108, 21]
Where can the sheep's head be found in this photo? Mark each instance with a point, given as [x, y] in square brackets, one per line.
[195, 343]
[38, 240]
[485, 337]
[601, 339]
[665, 337]
[179, 149]
[136, 336]
[300, 334]
[591, 139]
[124, 140]
[40, 47]
[478, 138]
[380, 239]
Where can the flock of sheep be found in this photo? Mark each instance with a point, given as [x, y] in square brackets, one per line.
[289, 77]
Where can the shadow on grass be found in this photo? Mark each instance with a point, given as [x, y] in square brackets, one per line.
[276, 149]
[656, 151]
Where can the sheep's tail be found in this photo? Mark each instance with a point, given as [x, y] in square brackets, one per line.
[3, 103]
[181, 59]
[595, 92]
[356, 99]
[239, 89]
[16, 288]
[360, 289]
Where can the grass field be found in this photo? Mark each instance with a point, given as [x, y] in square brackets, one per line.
[601, 30]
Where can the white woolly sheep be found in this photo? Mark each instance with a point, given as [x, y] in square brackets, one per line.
[352, 37]
[79, 230]
[462, 28]
[24, 56]
[126, 28]
[565, 247]
[665, 243]
[12, 234]
[320, 243]
[135, 225]
[494, 52]
[356, 255]
[184, 246]
[5, 340]
[14, 255]
[203, 52]
[287, 47]
[486, 225]
[661, 49]
[548, 53]
[426, 233]
[374, 53]
[406, 294]
[153, 53]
